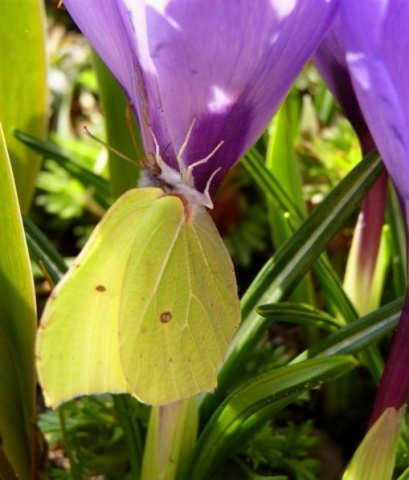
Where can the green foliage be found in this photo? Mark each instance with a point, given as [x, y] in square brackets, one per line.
[62, 196]
[86, 438]
[288, 450]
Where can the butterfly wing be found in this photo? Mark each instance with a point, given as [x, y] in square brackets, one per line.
[77, 345]
[179, 306]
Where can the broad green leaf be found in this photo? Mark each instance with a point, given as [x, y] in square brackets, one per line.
[150, 303]
[282, 162]
[23, 95]
[252, 404]
[17, 329]
[123, 175]
[290, 263]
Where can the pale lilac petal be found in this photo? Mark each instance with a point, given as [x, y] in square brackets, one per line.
[108, 27]
[106, 30]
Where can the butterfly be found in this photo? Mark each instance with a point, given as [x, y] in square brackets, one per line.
[149, 306]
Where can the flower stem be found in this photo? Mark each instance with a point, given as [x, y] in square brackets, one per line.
[171, 434]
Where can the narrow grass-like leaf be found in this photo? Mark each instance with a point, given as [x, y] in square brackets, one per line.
[290, 263]
[279, 276]
[252, 404]
[336, 296]
[300, 314]
[23, 93]
[17, 330]
[353, 338]
[395, 220]
[85, 176]
[43, 252]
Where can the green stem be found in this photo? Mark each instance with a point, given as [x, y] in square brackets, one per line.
[171, 434]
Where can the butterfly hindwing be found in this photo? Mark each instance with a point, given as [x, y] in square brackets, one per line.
[184, 305]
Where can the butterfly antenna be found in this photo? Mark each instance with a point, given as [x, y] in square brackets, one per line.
[206, 193]
[181, 164]
[111, 149]
[203, 160]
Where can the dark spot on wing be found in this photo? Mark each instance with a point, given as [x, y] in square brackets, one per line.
[165, 317]
[100, 288]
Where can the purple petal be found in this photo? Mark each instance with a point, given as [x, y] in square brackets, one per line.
[223, 64]
[229, 64]
[377, 45]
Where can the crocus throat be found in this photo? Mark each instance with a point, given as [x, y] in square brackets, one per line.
[159, 173]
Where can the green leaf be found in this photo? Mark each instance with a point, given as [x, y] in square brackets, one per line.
[252, 404]
[282, 162]
[43, 252]
[23, 94]
[298, 313]
[358, 335]
[17, 329]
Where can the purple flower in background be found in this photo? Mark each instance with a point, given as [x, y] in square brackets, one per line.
[376, 42]
[204, 77]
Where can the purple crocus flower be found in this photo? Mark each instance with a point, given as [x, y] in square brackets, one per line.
[330, 61]
[376, 43]
[203, 76]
